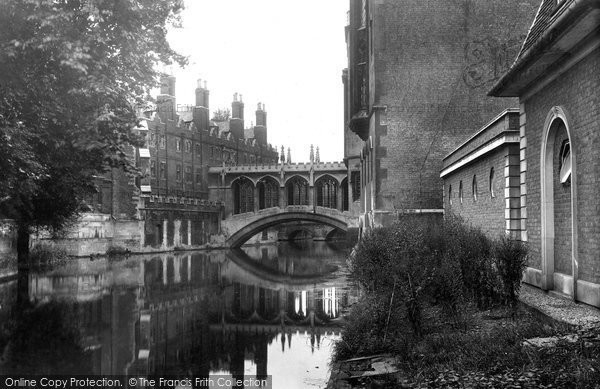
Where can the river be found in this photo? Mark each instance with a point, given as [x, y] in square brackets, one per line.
[262, 310]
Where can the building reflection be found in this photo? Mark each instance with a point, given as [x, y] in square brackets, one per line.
[196, 314]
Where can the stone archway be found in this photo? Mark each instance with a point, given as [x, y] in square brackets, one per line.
[558, 184]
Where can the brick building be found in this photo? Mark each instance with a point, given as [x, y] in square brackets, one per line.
[416, 83]
[481, 177]
[169, 200]
[557, 80]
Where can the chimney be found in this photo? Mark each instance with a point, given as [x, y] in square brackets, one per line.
[165, 102]
[236, 123]
[201, 113]
[260, 131]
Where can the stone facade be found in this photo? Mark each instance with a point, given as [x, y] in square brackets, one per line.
[481, 178]
[558, 84]
[417, 79]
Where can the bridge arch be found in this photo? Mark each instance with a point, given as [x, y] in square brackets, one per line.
[248, 231]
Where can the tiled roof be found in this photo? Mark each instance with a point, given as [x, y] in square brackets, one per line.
[543, 19]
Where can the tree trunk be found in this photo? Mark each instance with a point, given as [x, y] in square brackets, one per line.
[23, 247]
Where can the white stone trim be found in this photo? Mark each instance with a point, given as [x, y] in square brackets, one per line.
[480, 153]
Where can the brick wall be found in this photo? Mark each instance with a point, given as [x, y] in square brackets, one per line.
[432, 65]
[583, 121]
[485, 211]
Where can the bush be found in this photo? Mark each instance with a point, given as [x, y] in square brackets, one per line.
[116, 251]
[510, 258]
[47, 254]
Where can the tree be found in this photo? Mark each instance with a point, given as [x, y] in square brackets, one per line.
[72, 73]
[221, 115]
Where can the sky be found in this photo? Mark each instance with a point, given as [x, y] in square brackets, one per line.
[286, 54]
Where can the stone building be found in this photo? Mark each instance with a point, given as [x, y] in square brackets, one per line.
[416, 83]
[557, 80]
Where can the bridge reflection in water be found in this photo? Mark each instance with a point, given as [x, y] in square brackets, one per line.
[265, 310]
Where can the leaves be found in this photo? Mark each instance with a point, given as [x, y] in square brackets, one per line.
[72, 73]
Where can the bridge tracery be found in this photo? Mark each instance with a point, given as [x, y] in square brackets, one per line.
[297, 191]
[327, 192]
[268, 193]
[243, 195]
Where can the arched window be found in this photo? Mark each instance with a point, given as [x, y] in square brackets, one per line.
[474, 188]
[268, 193]
[297, 191]
[492, 190]
[450, 195]
[460, 192]
[243, 196]
[345, 190]
[326, 188]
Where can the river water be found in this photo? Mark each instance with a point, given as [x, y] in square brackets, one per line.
[262, 310]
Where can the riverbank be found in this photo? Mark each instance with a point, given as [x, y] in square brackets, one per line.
[444, 304]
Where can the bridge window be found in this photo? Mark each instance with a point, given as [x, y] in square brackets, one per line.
[327, 192]
[297, 190]
[243, 196]
[268, 193]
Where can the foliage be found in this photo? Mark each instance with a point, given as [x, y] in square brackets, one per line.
[73, 72]
[115, 251]
[221, 115]
[46, 255]
[510, 257]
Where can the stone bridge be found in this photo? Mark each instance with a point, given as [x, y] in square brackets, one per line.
[260, 197]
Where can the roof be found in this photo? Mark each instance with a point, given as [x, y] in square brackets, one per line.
[559, 26]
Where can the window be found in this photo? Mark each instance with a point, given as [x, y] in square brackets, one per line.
[198, 148]
[474, 188]
[188, 174]
[363, 14]
[355, 177]
[178, 144]
[565, 163]
[163, 169]
[450, 195]
[152, 141]
[460, 192]
[492, 190]
[153, 168]
[198, 175]
[178, 173]
[188, 146]
[163, 142]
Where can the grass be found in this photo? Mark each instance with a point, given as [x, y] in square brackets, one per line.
[477, 349]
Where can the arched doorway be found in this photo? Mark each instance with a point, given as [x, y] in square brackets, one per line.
[297, 191]
[327, 190]
[243, 195]
[558, 206]
[268, 193]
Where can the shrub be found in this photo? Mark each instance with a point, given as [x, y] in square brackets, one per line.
[47, 254]
[115, 251]
[510, 258]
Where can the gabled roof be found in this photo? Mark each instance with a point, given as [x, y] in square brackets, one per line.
[558, 28]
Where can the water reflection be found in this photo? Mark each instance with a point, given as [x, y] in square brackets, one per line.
[263, 310]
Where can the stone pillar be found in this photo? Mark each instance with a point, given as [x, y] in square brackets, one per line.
[189, 232]
[339, 198]
[348, 177]
[282, 200]
[165, 226]
[256, 200]
[164, 270]
[177, 233]
[311, 196]
[142, 229]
